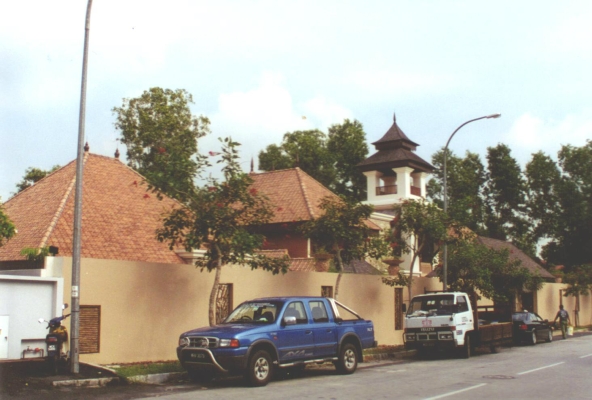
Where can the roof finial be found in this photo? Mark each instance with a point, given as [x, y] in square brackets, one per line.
[394, 117]
[86, 147]
[117, 153]
[252, 165]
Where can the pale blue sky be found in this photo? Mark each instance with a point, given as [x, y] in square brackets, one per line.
[255, 68]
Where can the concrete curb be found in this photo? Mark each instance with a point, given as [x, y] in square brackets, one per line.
[156, 379]
[94, 382]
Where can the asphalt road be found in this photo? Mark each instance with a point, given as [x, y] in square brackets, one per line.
[558, 370]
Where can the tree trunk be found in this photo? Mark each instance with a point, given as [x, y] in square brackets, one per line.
[415, 253]
[213, 294]
[340, 269]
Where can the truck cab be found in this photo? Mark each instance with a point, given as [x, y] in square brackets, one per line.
[438, 321]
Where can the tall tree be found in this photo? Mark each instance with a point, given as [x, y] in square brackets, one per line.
[543, 179]
[347, 144]
[506, 199]
[419, 223]
[160, 134]
[466, 179]
[342, 232]
[220, 217]
[7, 228]
[330, 159]
[571, 244]
[304, 149]
[34, 175]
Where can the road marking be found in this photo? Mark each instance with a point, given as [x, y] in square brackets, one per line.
[456, 392]
[538, 369]
[587, 355]
[397, 370]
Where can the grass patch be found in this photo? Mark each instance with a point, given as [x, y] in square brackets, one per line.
[384, 349]
[134, 369]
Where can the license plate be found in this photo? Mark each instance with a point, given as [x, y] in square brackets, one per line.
[51, 347]
[198, 355]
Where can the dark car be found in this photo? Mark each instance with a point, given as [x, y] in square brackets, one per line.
[531, 328]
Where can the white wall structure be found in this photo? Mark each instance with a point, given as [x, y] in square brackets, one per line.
[23, 300]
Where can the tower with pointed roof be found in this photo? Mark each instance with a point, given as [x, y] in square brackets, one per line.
[394, 173]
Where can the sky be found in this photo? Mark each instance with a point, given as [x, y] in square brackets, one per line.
[260, 69]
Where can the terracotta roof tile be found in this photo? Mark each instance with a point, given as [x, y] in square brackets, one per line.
[303, 264]
[119, 218]
[295, 195]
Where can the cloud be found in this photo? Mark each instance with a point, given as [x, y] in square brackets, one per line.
[530, 134]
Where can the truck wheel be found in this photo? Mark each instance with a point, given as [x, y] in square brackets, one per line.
[550, 336]
[466, 349]
[348, 360]
[533, 338]
[259, 370]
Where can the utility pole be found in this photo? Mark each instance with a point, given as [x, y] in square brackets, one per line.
[75, 292]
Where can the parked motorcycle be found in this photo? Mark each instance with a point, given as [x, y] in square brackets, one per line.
[57, 336]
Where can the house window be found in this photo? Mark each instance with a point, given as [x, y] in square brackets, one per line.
[327, 291]
[90, 329]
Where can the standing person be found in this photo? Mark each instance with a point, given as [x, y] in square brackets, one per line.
[564, 320]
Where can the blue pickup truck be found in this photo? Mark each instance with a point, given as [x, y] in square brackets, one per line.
[277, 332]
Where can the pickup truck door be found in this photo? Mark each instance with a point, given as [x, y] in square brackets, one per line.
[324, 332]
[295, 342]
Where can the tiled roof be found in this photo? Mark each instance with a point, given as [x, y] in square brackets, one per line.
[294, 194]
[119, 217]
[394, 150]
[303, 264]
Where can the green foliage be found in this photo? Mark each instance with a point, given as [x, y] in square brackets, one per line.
[466, 179]
[331, 159]
[474, 267]
[347, 144]
[221, 217]
[35, 254]
[342, 232]
[579, 280]
[161, 134]
[34, 175]
[7, 228]
[417, 223]
[506, 199]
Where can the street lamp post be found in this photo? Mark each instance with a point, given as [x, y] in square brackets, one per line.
[445, 264]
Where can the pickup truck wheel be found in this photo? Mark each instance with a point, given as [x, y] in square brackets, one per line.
[348, 360]
[259, 370]
[533, 338]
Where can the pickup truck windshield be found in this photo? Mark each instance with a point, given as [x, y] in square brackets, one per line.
[438, 304]
[254, 312]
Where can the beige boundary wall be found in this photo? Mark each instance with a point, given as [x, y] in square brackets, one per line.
[145, 306]
[549, 298]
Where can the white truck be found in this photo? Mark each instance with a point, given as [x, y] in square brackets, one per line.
[446, 320]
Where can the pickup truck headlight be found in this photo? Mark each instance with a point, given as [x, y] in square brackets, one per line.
[229, 343]
[183, 341]
[410, 337]
[446, 335]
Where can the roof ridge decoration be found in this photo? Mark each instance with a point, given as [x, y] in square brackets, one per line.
[304, 192]
[61, 207]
